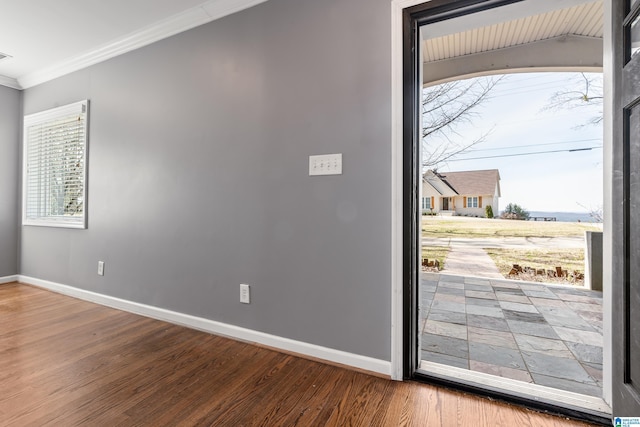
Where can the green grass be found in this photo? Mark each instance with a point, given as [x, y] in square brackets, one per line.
[436, 252]
[547, 259]
[481, 228]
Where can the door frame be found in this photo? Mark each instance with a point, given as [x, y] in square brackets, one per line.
[402, 261]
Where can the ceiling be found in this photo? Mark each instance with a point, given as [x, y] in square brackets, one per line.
[44, 39]
[585, 19]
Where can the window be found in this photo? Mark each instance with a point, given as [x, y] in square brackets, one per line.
[55, 167]
[426, 203]
[472, 202]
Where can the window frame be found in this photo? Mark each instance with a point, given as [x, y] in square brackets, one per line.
[472, 201]
[426, 203]
[45, 219]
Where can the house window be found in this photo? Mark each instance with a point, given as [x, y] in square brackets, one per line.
[472, 202]
[426, 203]
[55, 166]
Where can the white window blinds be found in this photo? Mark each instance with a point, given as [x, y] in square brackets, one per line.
[55, 149]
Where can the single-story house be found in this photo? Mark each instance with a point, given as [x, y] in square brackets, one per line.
[466, 193]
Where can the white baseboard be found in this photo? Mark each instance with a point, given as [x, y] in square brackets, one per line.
[8, 279]
[302, 348]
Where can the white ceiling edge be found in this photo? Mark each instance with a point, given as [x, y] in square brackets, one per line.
[485, 18]
[9, 82]
[191, 18]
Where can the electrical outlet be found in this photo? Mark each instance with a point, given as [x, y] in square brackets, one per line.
[100, 268]
[326, 164]
[245, 294]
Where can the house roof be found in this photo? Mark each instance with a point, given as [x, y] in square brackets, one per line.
[467, 183]
[438, 184]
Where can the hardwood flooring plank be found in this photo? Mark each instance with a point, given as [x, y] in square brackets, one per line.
[250, 385]
[124, 388]
[291, 401]
[315, 399]
[66, 362]
[203, 384]
[80, 379]
[282, 388]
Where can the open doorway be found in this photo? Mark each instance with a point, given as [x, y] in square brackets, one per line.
[503, 284]
[487, 43]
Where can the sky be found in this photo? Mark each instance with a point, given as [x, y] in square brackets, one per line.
[517, 122]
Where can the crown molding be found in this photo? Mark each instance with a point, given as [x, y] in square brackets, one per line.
[9, 82]
[191, 18]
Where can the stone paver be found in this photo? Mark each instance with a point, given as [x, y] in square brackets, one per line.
[447, 329]
[487, 322]
[546, 346]
[496, 355]
[533, 329]
[448, 316]
[488, 336]
[445, 359]
[450, 346]
[524, 316]
[485, 311]
[576, 387]
[557, 367]
[557, 316]
[583, 337]
[585, 352]
[548, 335]
[501, 371]
[502, 296]
[483, 302]
[517, 306]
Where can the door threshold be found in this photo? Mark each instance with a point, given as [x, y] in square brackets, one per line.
[550, 399]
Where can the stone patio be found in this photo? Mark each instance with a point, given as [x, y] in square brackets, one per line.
[544, 334]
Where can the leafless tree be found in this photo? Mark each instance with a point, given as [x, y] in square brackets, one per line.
[584, 90]
[445, 108]
[595, 213]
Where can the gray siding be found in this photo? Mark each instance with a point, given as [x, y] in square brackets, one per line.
[198, 174]
[9, 180]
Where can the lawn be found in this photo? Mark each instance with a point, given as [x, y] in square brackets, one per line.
[432, 253]
[547, 259]
[443, 227]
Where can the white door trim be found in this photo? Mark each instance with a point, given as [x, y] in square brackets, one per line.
[607, 202]
[397, 342]
[397, 346]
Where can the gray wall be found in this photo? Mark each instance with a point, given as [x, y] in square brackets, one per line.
[198, 174]
[9, 180]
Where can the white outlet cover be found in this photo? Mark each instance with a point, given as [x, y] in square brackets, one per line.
[100, 268]
[245, 294]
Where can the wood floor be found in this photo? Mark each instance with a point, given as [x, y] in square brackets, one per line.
[66, 362]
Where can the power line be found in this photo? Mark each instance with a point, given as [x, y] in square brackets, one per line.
[535, 145]
[526, 154]
[517, 90]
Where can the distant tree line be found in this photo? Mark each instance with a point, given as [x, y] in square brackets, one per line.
[513, 211]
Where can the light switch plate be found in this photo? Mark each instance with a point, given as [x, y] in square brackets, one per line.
[325, 164]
